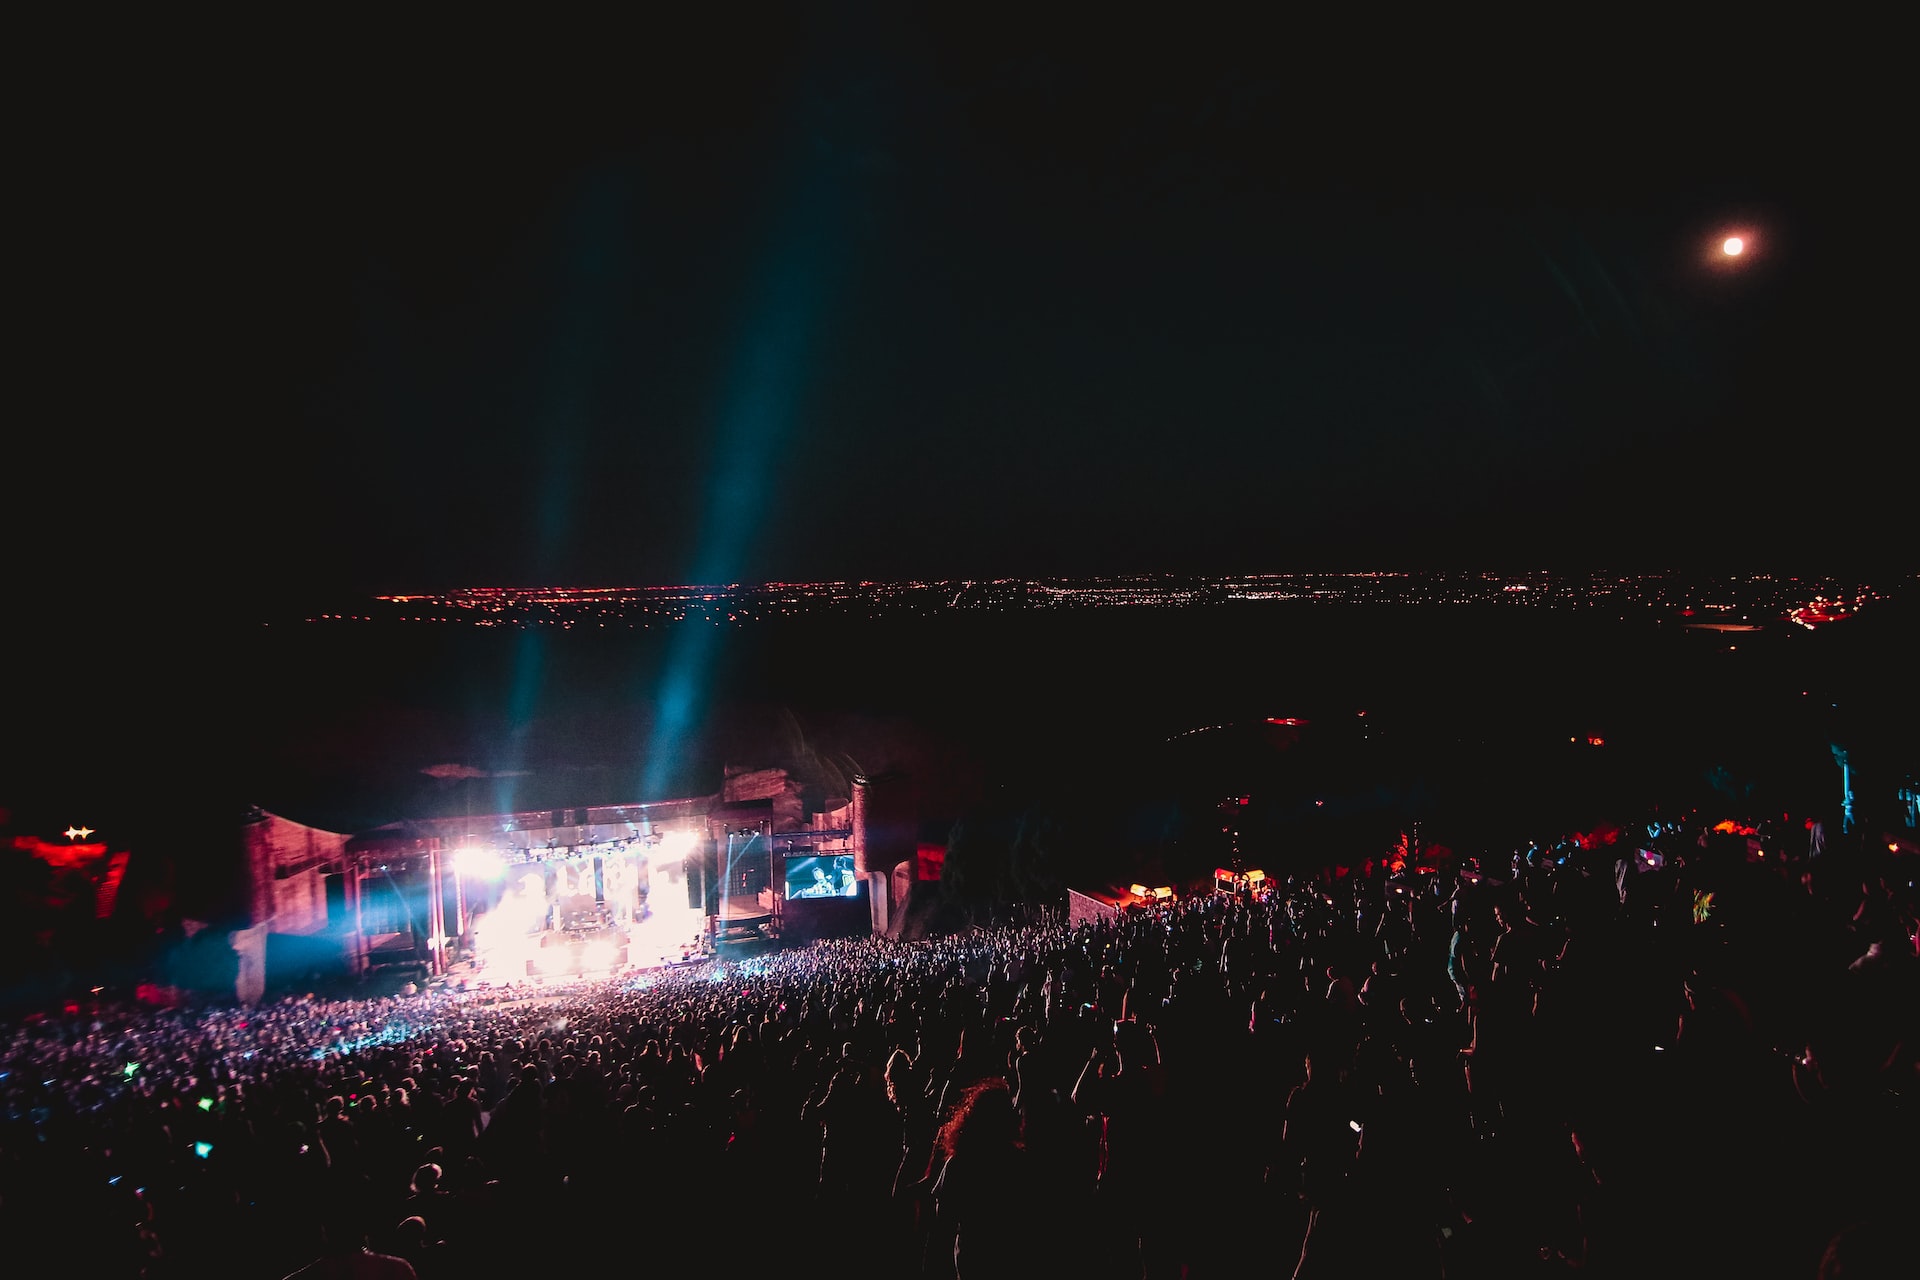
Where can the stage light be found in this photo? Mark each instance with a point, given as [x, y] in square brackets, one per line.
[598, 954]
[676, 844]
[479, 864]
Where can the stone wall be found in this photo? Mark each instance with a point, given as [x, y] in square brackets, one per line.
[1085, 909]
[286, 864]
[744, 786]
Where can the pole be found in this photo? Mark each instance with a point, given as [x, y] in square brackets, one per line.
[436, 912]
[359, 918]
[460, 918]
[726, 884]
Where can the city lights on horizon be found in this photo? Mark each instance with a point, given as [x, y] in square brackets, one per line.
[1754, 598]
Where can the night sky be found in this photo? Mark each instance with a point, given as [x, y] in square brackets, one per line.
[844, 296]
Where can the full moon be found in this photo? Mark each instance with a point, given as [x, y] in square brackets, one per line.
[1733, 246]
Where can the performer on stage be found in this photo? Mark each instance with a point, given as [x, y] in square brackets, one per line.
[822, 887]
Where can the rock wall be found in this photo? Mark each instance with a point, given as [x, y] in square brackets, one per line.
[287, 863]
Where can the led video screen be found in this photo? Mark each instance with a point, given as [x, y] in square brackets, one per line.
[822, 877]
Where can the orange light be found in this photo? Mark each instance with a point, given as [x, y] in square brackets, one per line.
[1733, 246]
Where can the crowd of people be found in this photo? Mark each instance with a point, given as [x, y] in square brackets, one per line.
[1669, 1051]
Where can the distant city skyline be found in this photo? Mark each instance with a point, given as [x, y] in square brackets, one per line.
[1808, 601]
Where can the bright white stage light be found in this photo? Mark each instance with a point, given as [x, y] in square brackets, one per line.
[479, 864]
[598, 954]
[674, 847]
[504, 938]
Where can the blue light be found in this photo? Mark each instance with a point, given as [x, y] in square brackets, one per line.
[760, 408]
[529, 664]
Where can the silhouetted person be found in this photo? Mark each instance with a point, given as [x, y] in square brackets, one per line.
[985, 1198]
[344, 1254]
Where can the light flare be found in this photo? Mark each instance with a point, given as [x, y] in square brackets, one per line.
[479, 864]
[506, 938]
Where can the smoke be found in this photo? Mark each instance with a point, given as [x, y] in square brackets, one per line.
[451, 771]
[506, 938]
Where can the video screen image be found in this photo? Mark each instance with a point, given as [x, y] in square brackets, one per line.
[822, 877]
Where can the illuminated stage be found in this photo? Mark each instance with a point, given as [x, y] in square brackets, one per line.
[596, 914]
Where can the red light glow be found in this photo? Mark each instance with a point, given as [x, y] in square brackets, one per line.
[61, 857]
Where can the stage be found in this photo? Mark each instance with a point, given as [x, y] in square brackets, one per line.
[573, 920]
